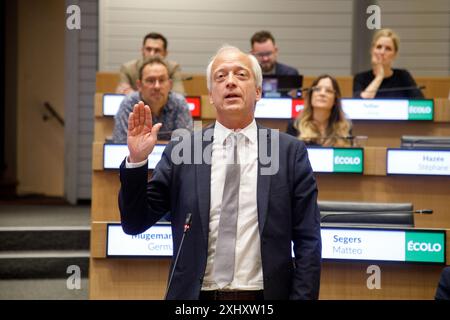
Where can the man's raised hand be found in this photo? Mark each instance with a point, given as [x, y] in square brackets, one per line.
[141, 136]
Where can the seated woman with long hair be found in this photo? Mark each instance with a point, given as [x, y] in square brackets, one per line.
[322, 122]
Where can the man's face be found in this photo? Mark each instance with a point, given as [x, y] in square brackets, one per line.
[233, 87]
[155, 85]
[266, 53]
[153, 47]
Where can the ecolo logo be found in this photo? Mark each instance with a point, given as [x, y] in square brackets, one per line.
[420, 110]
[425, 110]
[347, 160]
[424, 246]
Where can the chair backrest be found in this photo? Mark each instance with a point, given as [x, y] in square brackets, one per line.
[366, 213]
[425, 142]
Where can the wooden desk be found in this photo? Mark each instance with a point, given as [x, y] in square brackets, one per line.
[146, 278]
[379, 133]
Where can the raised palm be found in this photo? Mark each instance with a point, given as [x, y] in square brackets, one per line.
[142, 136]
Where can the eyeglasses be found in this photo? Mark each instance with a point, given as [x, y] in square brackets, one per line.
[152, 81]
[263, 54]
[319, 89]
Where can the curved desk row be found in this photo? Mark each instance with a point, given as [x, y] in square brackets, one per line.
[139, 278]
[287, 108]
[382, 130]
[125, 278]
[429, 162]
[339, 243]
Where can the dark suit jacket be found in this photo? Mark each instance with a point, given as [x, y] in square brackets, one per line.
[443, 289]
[285, 70]
[287, 211]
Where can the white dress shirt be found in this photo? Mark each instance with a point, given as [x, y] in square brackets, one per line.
[248, 268]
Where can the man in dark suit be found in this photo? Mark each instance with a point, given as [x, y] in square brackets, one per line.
[266, 51]
[271, 198]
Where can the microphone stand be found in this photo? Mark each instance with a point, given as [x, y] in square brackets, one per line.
[187, 226]
[394, 89]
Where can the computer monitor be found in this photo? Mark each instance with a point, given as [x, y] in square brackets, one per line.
[276, 86]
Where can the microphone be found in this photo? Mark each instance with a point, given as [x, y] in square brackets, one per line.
[187, 227]
[356, 141]
[402, 88]
[409, 88]
[295, 93]
[424, 211]
[292, 88]
[352, 139]
[187, 78]
[404, 217]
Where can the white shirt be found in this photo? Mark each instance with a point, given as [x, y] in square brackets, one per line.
[248, 268]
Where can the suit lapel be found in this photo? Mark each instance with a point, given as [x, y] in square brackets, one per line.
[203, 178]
[263, 183]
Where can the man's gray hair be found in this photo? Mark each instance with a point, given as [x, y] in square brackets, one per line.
[256, 68]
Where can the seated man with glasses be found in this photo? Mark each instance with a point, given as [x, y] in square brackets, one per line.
[167, 107]
[266, 52]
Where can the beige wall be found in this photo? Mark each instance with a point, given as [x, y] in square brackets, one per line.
[313, 36]
[40, 145]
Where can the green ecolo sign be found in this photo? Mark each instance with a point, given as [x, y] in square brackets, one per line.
[420, 110]
[348, 160]
[424, 247]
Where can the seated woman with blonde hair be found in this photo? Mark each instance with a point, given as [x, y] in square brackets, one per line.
[322, 122]
[383, 81]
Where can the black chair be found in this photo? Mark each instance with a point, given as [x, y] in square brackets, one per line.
[366, 214]
[443, 289]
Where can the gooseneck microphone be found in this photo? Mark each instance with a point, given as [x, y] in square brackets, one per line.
[401, 88]
[393, 89]
[187, 226]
